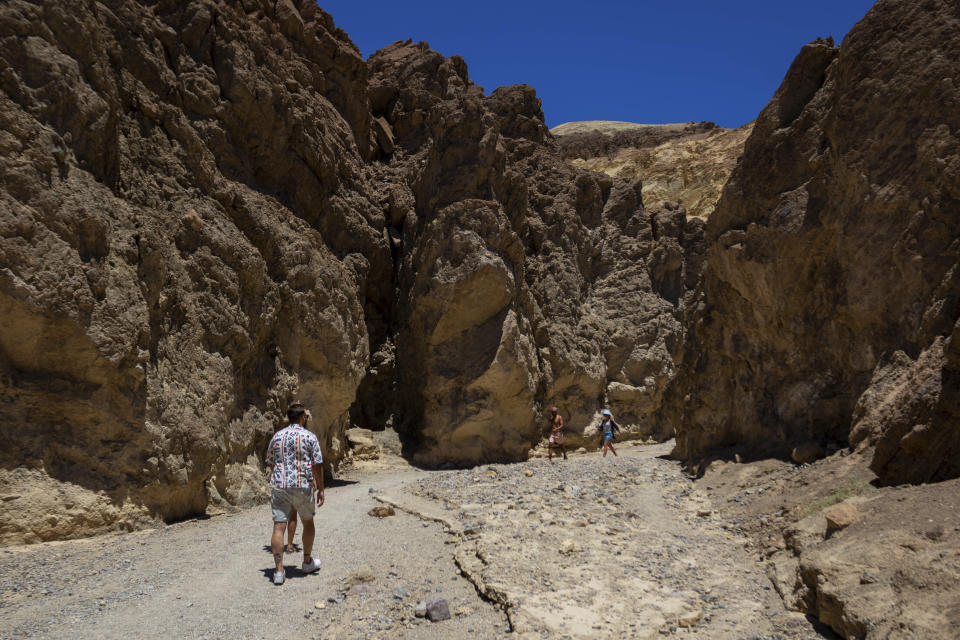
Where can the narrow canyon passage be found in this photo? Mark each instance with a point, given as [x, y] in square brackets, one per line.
[588, 547]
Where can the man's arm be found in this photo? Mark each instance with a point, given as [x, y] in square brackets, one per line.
[317, 469]
[318, 480]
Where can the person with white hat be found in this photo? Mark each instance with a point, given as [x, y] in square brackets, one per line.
[606, 429]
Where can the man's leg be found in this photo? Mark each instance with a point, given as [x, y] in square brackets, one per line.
[304, 503]
[563, 450]
[614, 450]
[276, 543]
[308, 534]
[550, 451]
[281, 508]
[291, 531]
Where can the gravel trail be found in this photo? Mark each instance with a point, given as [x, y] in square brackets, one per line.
[615, 547]
[584, 548]
[210, 578]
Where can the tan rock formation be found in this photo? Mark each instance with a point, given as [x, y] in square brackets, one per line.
[181, 199]
[682, 163]
[881, 563]
[211, 208]
[613, 127]
[829, 304]
[522, 282]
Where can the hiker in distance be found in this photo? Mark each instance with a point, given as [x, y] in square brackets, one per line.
[296, 467]
[606, 429]
[556, 434]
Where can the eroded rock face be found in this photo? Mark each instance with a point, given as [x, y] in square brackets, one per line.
[829, 304]
[522, 282]
[182, 200]
[212, 208]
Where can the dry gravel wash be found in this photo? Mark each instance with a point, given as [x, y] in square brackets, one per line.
[607, 548]
[642, 563]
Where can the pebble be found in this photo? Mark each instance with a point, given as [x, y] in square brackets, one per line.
[438, 610]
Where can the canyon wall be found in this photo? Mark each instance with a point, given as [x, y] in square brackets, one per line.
[185, 240]
[520, 281]
[828, 308]
[211, 208]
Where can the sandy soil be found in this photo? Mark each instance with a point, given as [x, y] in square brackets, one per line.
[643, 563]
[211, 579]
[893, 571]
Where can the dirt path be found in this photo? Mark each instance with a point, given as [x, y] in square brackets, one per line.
[211, 579]
[642, 564]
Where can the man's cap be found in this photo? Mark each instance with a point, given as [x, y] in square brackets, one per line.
[606, 412]
[553, 409]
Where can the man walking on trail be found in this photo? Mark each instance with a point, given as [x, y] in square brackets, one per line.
[296, 462]
[556, 434]
[606, 430]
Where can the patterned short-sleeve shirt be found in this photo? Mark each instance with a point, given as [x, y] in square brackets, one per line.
[292, 453]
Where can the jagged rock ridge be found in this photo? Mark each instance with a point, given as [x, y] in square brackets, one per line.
[521, 281]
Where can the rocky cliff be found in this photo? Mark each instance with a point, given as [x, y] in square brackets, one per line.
[687, 164]
[829, 305]
[187, 238]
[213, 207]
[520, 281]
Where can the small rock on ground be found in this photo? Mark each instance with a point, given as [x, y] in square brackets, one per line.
[438, 610]
[382, 511]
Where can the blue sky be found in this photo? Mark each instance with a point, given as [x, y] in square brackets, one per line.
[644, 61]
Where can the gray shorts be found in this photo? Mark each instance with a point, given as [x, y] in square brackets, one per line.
[283, 501]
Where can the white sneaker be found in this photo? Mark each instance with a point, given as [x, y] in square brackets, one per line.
[278, 577]
[310, 567]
